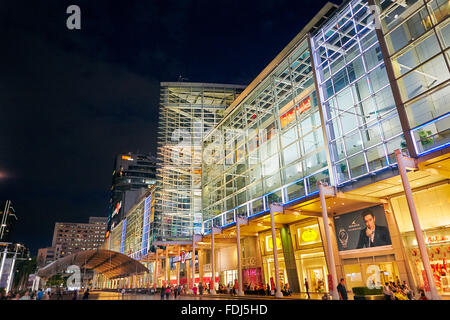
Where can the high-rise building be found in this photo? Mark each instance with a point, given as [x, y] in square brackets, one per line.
[48, 255]
[188, 111]
[8, 220]
[74, 237]
[333, 163]
[133, 175]
[359, 88]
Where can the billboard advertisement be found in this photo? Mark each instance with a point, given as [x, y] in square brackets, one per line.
[361, 229]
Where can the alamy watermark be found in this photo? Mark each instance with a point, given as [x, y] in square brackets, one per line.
[74, 20]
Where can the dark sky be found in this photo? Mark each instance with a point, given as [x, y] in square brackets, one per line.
[72, 99]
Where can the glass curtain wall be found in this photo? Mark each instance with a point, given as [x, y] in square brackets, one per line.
[362, 123]
[187, 112]
[269, 149]
[417, 34]
[134, 231]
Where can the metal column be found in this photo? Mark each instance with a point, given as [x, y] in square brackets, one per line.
[278, 208]
[403, 163]
[325, 190]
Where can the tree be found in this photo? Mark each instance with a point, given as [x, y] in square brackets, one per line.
[23, 269]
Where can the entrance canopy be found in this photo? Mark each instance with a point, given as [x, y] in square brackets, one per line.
[111, 264]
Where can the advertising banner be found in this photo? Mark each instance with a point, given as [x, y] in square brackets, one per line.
[360, 229]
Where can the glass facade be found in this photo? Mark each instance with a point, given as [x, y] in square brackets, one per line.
[270, 148]
[133, 234]
[362, 123]
[417, 35]
[188, 111]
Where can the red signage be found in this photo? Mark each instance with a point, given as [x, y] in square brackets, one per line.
[330, 282]
[289, 116]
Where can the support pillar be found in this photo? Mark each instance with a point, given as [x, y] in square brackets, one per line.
[239, 221]
[178, 266]
[193, 260]
[325, 190]
[155, 269]
[213, 270]
[200, 265]
[166, 267]
[188, 273]
[403, 163]
[275, 208]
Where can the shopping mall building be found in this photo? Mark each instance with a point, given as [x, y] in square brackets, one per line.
[338, 150]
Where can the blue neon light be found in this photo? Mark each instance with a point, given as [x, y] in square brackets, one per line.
[431, 121]
[146, 226]
[256, 214]
[434, 149]
[308, 195]
[124, 231]
[424, 125]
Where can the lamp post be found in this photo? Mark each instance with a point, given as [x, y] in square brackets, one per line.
[11, 271]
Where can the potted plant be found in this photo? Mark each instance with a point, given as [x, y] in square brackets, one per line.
[365, 293]
[425, 137]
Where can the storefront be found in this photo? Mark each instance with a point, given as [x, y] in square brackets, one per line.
[435, 221]
[266, 244]
[228, 277]
[372, 271]
[366, 252]
[309, 255]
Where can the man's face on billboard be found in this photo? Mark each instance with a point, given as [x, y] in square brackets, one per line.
[369, 221]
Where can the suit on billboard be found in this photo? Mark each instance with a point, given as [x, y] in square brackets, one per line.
[381, 238]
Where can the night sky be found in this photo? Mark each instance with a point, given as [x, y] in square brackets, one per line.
[70, 100]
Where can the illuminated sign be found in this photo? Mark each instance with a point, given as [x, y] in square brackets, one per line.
[116, 210]
[289, 116]
[127, 158]
[309, 235]
[183, 257]
[437, 239]
[107, 234]
[269, 243]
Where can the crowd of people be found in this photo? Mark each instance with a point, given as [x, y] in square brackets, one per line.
[44, 294]
[175, 291]
[397, 291]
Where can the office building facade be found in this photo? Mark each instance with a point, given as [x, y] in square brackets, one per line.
[359, 92]
[133, 175]
[74, 237]
[354, 86]
[188, 111]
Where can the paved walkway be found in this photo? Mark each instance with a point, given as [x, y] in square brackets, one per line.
[109, 295]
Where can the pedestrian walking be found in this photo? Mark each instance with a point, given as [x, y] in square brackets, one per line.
[75, 295]
[179, 289]
[307, 288]
[163, 292]
[26, 296]
[39, 295]
[86, 294]
[342, 290]
[194, 290]
[168, 292]
[200, 288]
